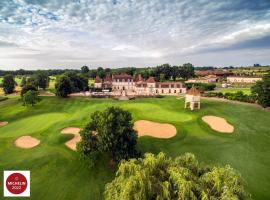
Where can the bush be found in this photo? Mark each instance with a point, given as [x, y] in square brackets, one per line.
[238, 96]
[202, 86]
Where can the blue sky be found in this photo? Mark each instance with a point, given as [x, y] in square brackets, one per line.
[42, 34]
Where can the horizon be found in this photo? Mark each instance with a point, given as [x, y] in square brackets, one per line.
[48, 34]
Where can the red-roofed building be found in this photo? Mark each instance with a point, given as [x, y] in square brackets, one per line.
[138, 86]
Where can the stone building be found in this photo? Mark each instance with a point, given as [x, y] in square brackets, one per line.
[138, 86]
[243, 79]
[193, 99]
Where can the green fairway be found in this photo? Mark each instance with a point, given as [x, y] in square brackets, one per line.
[58, 173]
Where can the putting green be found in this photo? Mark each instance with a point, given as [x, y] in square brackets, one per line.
[31, 125]
[157, 112]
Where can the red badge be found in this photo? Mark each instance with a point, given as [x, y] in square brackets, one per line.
[16, 183]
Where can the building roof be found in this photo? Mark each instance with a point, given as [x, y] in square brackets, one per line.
[98, 80]
[139, 78]
[108, 78]
[193, 91]
[122, 76]
[169, 84]
[151, 79]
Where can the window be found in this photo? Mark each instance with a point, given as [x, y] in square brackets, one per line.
[162, 91]
[174, 91]
[169, 90]
[156, 91]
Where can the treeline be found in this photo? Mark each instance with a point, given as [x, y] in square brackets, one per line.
[50, 72]
[201, 86]
[161, 73]
[238, 96]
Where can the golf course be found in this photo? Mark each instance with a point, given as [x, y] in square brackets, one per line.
[58, 172]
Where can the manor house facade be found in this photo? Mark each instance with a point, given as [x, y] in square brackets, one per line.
[138, 86]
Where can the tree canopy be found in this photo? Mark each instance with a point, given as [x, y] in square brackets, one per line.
[63, 86]
[85, 69]
[262, 90]
[30, 98]
[160, 177]
[110, 131]
[42, 80]
[8, 84]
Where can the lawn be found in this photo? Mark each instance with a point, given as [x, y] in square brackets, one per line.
[58, 173]
[234, 90]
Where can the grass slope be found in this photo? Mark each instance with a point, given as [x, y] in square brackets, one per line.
[57, 172]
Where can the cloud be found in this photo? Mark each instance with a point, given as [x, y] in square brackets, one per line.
[126, 32]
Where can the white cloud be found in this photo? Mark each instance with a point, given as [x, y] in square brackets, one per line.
[99, 32]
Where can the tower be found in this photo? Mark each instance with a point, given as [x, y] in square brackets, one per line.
[193, 99]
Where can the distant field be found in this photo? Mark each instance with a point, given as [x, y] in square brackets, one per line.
[234, 90]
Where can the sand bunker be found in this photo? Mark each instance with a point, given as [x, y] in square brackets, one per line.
[154, 129]
[26, 142]
[77, 138]
[3, 123]
[218, 124]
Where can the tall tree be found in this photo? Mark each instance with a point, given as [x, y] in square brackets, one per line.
[175, 72]
[24, 81]
[85, 70]
[63, 86]
[110, 131]
[161, 177]
[8, 84]
[78, 82]
[262, 90]
[42, 80]
[101, 72]
[186, 71]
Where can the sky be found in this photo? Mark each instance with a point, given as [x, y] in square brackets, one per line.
[43, 34]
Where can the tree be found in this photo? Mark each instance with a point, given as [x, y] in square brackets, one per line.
[186, 71]
[30, 98]
[28, 87]
[8, 84]
[84, 70]
[42, 80]
[111, 132]
[261, 90]
[174, 72]
[160, 177]
[101, 72]
[23, 83]
[63, 86]
[78, 82]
